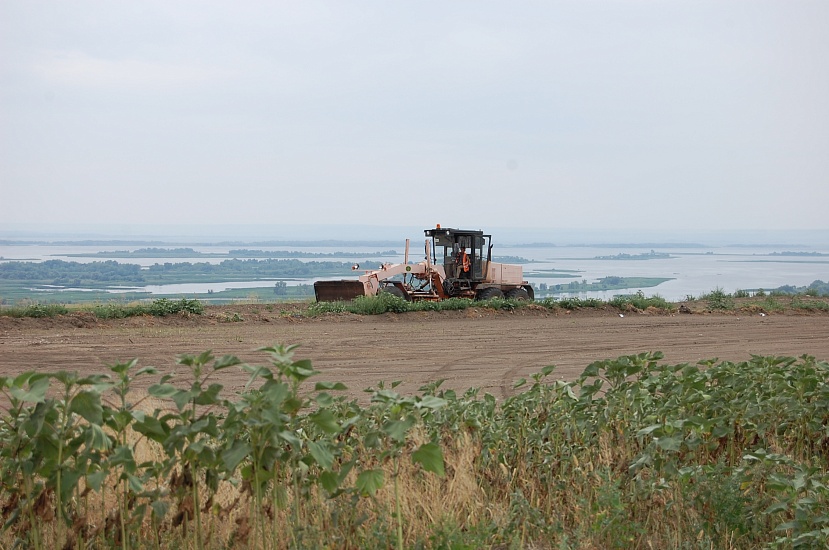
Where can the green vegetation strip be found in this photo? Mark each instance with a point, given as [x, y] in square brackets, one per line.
[635, 453]
[158, 308]
[716, 300]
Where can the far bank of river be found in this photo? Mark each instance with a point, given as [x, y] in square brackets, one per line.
[684, 271]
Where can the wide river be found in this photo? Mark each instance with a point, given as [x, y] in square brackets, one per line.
[693, 271]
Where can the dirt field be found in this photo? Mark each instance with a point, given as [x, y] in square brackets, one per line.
[473, 348]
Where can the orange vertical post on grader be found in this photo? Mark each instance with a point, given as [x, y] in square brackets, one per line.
[458, 264]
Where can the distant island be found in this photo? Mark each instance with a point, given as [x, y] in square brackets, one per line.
[605, 283]
[512, 260]
[643, 256]
[787, 253]
[237, 253]
[552, 273]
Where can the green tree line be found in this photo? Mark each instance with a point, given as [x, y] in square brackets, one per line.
[60, 272]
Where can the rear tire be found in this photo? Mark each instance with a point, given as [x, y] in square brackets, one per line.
[518, 294]
[489, 294]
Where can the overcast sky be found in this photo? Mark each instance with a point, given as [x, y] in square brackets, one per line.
[582, 114]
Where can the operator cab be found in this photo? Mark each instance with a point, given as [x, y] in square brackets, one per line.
[450, 244]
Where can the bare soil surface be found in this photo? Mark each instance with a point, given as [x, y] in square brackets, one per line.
[477, 348]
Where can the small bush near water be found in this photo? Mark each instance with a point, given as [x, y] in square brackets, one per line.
[635, 453]
[640, 301]
[36, 310]
[158, 308]
[718, 300]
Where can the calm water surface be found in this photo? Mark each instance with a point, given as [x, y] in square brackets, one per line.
[693, 271]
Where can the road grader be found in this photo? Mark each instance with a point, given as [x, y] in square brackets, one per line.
[458, 264]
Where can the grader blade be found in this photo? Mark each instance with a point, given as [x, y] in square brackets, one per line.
[338, 291]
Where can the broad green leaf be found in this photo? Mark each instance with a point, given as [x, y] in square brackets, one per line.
[647, 431]
[68, 481]
[150, 427]
[291, 438]
[96, 479]
[162, 391]
[67, 378]
[181, 398]
[372, 440]
[669, 443]
[210, 396]
[592, 369]
[88, 405]
[397, 429]
[330, 481]
[135, 483]
[292, 405]
[385, 395]
[160, 508]
[122, 456]
[321, 454]
[196, 447]
[235, 454]
[226, 361]
[146, 370]
[430, 456]
[97, 439]
[324, 399]
[369, 482]
[319, 386]
[325, 420]
[432, 402]
[36, 392]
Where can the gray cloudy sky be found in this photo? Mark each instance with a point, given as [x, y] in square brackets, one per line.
[580, 114]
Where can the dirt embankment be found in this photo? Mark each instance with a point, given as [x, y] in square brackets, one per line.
[477, 347]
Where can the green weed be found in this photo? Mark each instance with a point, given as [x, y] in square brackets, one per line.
[35, 310]
[641, 302]
[717, 299]
[809, 305]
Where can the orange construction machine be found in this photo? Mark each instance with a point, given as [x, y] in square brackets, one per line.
[458, 263]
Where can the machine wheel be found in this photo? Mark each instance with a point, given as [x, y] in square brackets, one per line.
[517, 294]
[394, 291]
[489, 293]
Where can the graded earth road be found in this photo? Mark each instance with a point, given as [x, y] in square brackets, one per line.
[477, 347]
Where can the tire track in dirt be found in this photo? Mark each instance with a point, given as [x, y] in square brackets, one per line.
[469, 349]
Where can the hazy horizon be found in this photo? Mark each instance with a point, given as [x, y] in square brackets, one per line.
[203, 233]
[634, 117]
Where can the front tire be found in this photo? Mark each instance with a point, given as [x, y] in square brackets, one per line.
[489, 294]
[518, 294]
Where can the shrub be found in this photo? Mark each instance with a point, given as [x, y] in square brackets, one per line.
[118, 311]
[163, 306]
[718, 300]
[321, 308]
[35, 310]
[809, 305]
[770, 304]
[639, 301]
[44, 310]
